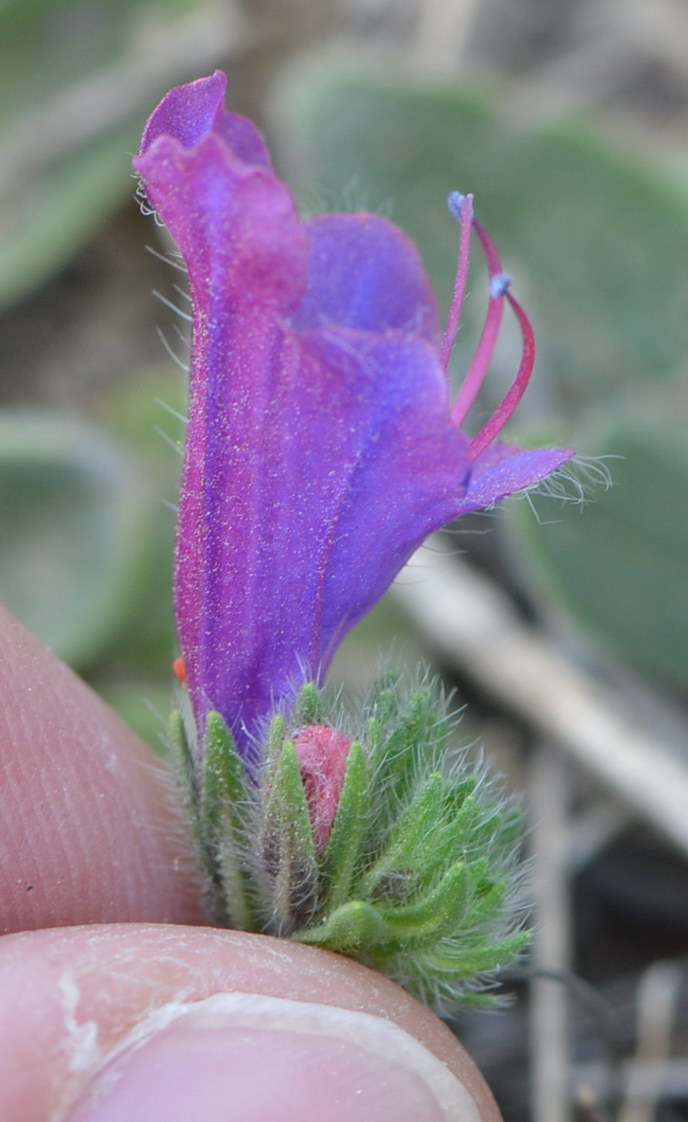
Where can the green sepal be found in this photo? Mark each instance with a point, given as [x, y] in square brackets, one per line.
[399, 729]
[275, 740]
[224, 804]
[435, 915]
[341, 858]
[353, 927]
[361, 924]
[286, 844]
[416, 876]
[181, 757]
[310, 708]
[406, 842]
[460, 820]
[466, 962]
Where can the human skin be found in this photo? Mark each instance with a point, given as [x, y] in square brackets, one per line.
[109, 980]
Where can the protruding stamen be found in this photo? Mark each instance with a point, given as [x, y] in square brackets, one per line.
[505, 411]
[456, 202]
[499, 282]
[461, 208]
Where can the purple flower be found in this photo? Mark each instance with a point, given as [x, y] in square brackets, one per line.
[322, 446]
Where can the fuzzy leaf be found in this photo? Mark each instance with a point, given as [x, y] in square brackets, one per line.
[408, 727]
[182, 759]
[463, 962]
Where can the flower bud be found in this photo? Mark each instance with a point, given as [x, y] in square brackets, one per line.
[322, 754]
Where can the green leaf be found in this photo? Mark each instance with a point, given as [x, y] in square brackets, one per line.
[459, 960]
[224, 782]
[406, 728]
[416, 877]
[181, 755]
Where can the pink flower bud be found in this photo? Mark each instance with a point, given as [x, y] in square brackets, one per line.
[323, 753]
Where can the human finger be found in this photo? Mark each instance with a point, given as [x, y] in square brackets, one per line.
[92, 830]
[147, 1022]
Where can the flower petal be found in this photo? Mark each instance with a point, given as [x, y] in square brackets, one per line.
[503, 470]
[320, 448]
[235, 224]
[365, 273]
[327, 461]
[188, 113]
[405, 473]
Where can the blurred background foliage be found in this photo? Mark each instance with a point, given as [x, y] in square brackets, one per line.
[566, 119]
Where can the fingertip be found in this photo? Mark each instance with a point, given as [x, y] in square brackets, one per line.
[261, 1054]
[92, 828]
[191, 1019]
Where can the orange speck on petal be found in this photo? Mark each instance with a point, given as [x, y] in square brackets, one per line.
[180, 670]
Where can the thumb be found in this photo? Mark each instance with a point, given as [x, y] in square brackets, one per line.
[175, 1023]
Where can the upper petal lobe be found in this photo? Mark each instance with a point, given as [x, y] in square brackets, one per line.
[365, 273]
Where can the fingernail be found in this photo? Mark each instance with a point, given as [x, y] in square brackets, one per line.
[253, 1058]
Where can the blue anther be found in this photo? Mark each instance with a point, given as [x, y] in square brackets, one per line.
[499, 284]
[455, 203]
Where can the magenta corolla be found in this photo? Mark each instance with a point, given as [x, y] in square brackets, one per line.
[323, 445]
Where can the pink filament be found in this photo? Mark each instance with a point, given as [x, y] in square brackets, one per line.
[505, 411]
[454, 319]
[488, 339]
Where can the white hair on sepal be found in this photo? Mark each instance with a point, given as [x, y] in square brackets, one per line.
[172, 306]
[170, 441]
[172, 258]
[579, 481]
[170, 351]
